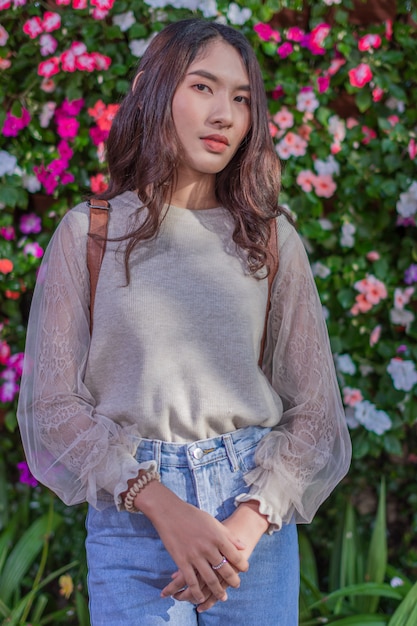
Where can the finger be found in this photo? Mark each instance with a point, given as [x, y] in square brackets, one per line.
[209, 602]
[213, 581]
[235, 558]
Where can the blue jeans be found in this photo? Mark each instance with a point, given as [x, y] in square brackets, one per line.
[129, 566]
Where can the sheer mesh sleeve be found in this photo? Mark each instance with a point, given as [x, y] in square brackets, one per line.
[301, 460]
[70, 448]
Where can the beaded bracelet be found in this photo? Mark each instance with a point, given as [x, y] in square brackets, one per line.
[137, 487]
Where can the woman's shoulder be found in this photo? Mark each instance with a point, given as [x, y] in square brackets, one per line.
[121, 207]
[284, 229]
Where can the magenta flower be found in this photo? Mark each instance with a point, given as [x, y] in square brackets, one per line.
[70, 108]
[323, 83]
[285, 50]
[33, 27]
[368, 42]
[16, 362]
[51, 21]
[33, 249]
[13, 125]
[49, 67]
[30, 223]
[266, 32]
[67, 127]
[8, 233]
[295, 34]
[26, 477]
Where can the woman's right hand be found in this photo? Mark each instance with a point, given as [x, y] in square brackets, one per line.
[195, 540]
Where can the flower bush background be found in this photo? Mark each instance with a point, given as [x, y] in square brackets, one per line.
[341, 82]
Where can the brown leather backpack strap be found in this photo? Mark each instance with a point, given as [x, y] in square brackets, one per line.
[96, 246]
[273, 268]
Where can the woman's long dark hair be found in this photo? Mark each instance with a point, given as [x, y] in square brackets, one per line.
[143, 147]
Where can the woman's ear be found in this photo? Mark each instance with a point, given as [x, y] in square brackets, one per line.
[135, 81]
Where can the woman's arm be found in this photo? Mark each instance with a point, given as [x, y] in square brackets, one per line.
[69, 447]
[304, 457]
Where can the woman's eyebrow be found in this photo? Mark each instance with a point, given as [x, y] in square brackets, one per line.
[212, 77]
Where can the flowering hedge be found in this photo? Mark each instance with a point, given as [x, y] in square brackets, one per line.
[341, 82]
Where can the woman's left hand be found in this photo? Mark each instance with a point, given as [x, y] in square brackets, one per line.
[249, 525]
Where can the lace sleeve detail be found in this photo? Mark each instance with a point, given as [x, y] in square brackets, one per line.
[301, 460]
[69, 447]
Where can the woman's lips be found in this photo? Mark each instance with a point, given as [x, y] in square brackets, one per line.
[215, 143]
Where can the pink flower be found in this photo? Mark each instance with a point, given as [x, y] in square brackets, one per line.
[412, 149]
[5, 4]
[30, 223]
[99, 14]
[323, 83]
[67, 178]
[295, 34]
[68, 61]
[48, 44]
[51, 21]
[266, 32]
[335, 65]
[26, 476]
[57, 166]
[273, 130]
[373, 255]
[98, 183]
[278, 92]
[33, 27]
[368, 42]
[352, 396]
[49, 67]
[324, 186]
[402, 297]
[13, 125]
[351, 122]
[85, 62]
[103, 5]
[64, 150]
[63, 3]
[306, 180]
[393, 120]
[33, 249]
[4, 35]
[361, 75]
[375, 335]
[78, 47]
[8, 390]
[4, 352]
[48, 85]
[306, 100]
[98, 135]
[284, 118]
[101, 61]
[373, 289]
[377, 94]
[388, 29]
[314, 40]
[70, 108]
[285, 50]
[362, 305]
[368, 134]
[8, 233]
[67, 127]
[79, 4]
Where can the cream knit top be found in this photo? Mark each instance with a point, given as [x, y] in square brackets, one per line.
[174, 356]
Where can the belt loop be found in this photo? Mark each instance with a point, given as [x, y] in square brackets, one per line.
[230, 451]
[157, 454]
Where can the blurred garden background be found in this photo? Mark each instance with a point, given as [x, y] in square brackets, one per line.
[341, 79]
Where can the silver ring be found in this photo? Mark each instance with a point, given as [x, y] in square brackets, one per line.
[223, 561]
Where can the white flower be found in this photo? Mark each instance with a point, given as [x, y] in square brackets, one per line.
[337, 128]
[325, 224]
[402, 297]
[31, 183]
[346, 239]
[138, 46]
[407, 204]
[47, 114]
[124, 20]
[369, 416]
[8, 163]
[330, 2]
[350, 417]
[207, 7]
[327, 166]
[320, 270]
[394, 104]
[401, 317]
[396, 582]
[307, 101]
[403, 374]
[344, 364]
[236, 15]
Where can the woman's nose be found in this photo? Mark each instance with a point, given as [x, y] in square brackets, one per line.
[221, 113]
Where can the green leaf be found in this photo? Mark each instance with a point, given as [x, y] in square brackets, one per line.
[16, 109]
[377, 556]
[24, 553]
[406, 613]
[363, 100]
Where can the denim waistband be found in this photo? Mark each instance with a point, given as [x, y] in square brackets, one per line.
[202, 452]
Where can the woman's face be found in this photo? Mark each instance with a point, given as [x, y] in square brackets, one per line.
[211, 111]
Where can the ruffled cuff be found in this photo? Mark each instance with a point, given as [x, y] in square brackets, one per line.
[274, 500]
[148, 466]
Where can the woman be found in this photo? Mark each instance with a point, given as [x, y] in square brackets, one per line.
[162, 408]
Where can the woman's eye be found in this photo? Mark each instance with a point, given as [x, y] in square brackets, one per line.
[201, 87]
[243, 99]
